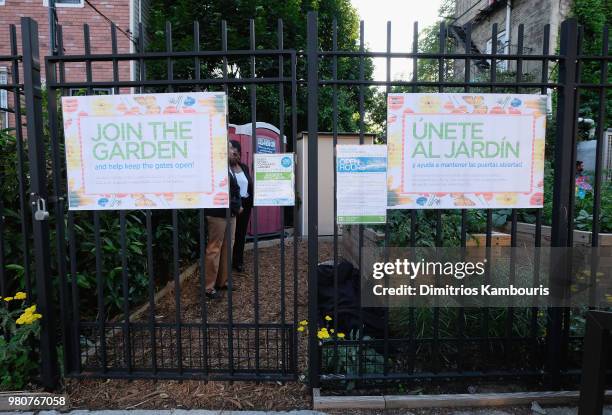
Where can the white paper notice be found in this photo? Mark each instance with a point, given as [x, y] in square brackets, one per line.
[274, 179]
[361, 172]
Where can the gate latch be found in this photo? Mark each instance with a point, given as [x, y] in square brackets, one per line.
[40, 208]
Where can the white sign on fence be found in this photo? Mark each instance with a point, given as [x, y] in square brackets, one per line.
[361, 172]
[463, 150]
[274, 179]
[153, 151]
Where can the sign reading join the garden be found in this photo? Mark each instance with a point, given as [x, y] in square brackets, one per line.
[464, 150]
[152, 151]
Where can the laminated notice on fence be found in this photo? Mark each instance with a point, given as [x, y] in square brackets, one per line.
[464, 150]
[361, 172]
[150, 151]
[274, 179]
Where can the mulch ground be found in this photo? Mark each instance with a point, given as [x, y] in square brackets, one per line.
[147, 394]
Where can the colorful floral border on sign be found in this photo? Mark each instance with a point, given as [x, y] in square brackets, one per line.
[402, 108]
[128, 108]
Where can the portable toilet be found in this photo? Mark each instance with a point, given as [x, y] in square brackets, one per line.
[268, 141]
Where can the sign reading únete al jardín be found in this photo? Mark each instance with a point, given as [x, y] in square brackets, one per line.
[465, 150]
[153, 151]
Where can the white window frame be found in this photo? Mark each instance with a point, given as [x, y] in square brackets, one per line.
[502, 44]
[81, 4]
[3, 97]
[2, 2]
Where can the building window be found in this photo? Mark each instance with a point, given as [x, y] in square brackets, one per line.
[65, 3]
[3, 99]
[502, 44]
[79, 92]
[1, 2]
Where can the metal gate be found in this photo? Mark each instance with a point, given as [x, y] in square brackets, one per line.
[181, 334]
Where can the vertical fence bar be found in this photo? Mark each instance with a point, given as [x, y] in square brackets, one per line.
[563, 187]
[387, 236]
[334, 144]
[599, 133]
[294, 348]
[413, 212]
[312, 54]
[127, 338]
[253, 91]
[281, 128]
[361, 355]
[151, 291]
[38, 174]
[58, 198]
[20, 166]
[202, 224]
[141, 62]
[230, 281]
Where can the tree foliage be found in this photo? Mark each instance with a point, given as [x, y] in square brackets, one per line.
[593, 15]
[265, 14]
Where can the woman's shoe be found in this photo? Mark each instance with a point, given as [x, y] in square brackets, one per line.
[212, 294]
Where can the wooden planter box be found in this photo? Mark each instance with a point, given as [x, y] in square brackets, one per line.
[525, 235]
[480, 239]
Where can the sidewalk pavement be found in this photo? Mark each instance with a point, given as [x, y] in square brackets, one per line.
[449, 411]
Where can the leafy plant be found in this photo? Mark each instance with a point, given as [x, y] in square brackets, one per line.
[19, 326]
[345, 357]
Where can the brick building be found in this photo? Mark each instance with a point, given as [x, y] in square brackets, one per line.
[508, 14]
[71, 15]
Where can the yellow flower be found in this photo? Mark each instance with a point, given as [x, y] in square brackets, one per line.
[328, 318]
[332, 331]
[30, 309]
[7, 299]
[341, 335]
[20, 295]
[323, 334]
[28, 318]
[304, 323]
[301, 329]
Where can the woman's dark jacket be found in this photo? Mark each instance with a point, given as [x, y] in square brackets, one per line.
[235, 202]
[248, 202]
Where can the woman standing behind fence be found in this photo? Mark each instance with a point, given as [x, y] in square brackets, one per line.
[246, 194]
[218, 246]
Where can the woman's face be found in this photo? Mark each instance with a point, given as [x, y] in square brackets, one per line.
[234, 155]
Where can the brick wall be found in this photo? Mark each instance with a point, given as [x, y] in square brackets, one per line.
[72, 20]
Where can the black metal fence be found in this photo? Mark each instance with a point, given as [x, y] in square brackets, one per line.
[447, 344]
[102, 259]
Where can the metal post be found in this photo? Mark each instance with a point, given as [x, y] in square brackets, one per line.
[563, 189]
[595, 362]
[38, 171]
[52, 28]
[312, 54]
